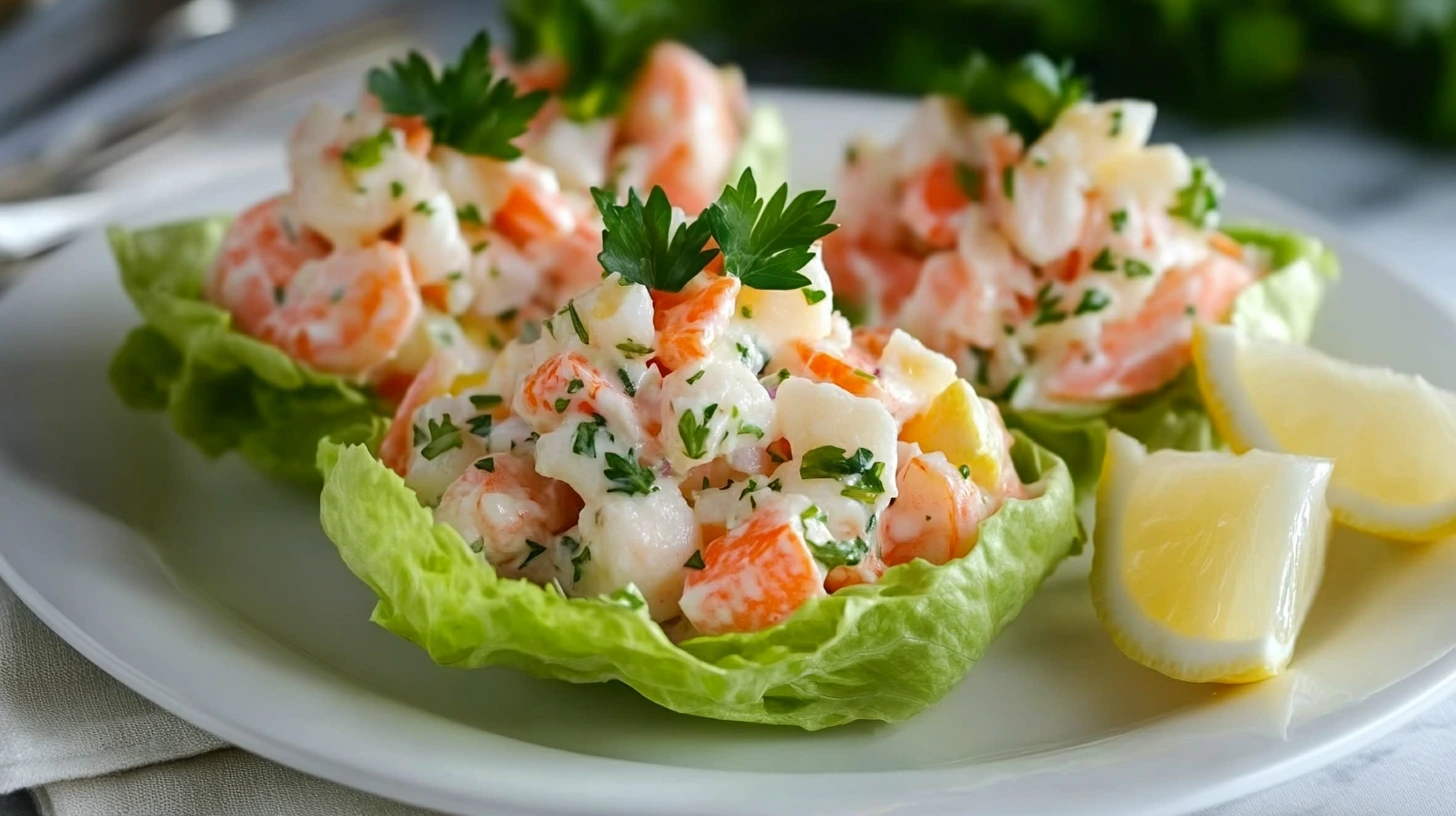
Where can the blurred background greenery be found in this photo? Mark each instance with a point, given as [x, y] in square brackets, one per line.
[1391, 62]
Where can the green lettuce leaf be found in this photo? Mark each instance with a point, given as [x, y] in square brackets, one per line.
[224, 391]
[879, 652]
[1282, 304]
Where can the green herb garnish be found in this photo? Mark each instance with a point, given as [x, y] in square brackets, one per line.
[694, 434]
[628, 476]
[861, 475]
[1198, 202]
[634, 350]
[466, 106]
[533, 550]
[1093, 300]
[444, 436]
[367, 152]
[765, 244]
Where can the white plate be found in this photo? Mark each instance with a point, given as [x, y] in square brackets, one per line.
[212, 592]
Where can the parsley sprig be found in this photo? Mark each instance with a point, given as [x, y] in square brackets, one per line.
[466, 106]
[1030, 92]
[763, 244]
[639, 245]
[603, 44]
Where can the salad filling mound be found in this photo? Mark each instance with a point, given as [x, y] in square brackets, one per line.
[448, 209]
[1038, 239]
[700, 439]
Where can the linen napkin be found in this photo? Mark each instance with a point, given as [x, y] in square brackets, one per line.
[85, 745]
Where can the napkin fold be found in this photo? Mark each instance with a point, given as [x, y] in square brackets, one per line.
[85, 745]
[63, 718]
[222, 783]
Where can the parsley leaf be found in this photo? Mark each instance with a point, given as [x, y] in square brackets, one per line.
[1198, 202]
[628, 476]
[603, 44]
[584, 442]
[694, 434]
[485, 402]
[444, 436]
[970, 180]
[1048, 307]
[578, 561]
[764, 245]
[861, 475]
[637, 244]
[696, 561]
[836, 553]
[1031, 92]
[367, 152]
[533, 550]
[1093, 300]
[466, 106]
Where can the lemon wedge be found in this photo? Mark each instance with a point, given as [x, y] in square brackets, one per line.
[1205, 563]
[1391, 436]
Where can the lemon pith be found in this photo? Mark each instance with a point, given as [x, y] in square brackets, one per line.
[1392, 436]
[1205, 563]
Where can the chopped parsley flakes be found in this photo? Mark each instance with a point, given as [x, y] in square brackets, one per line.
[443, 436]
[628, 476]
[861, 476]
[694, 434]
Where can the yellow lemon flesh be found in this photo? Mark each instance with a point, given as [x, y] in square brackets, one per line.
[1391, 436]
[1206, 563]
[959, 424]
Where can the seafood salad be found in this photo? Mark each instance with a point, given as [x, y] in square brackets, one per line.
[670, 434]
[408, 226]
[701, 440]
[1037, 238]
[450, 207]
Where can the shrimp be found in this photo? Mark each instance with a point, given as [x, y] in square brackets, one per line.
[690, 324]
[936, 515]
[756, 575]
[570, 261]
[873, 277]
[850, 369]
[567, 384]
[644, 540]
[867, 571]
[533, 209]
[689, 117]
[1144, 352]
[433, 380]
[263, 250]
[431, 237]
[932, 201]
[508, 512]
[354, 176]
[347, 313]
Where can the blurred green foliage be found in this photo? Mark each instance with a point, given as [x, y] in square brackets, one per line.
[1392, 60]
